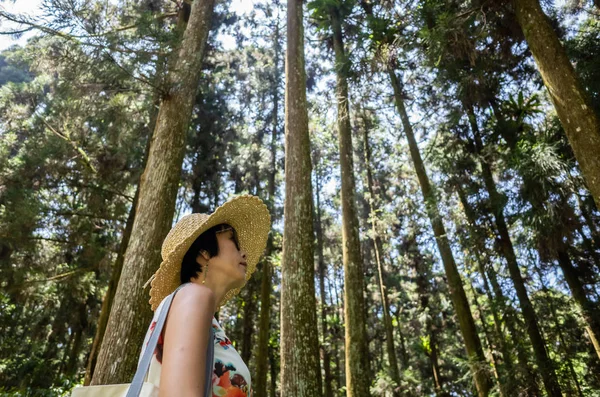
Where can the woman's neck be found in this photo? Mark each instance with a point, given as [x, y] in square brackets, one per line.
[217, 288]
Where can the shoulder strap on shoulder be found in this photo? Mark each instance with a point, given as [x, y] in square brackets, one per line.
[144, 365]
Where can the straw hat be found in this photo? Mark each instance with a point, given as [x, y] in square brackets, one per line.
[247, 214]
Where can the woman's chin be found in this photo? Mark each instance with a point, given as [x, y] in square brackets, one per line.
[239, 282]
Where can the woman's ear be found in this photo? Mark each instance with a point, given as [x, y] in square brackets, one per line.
[204, 255]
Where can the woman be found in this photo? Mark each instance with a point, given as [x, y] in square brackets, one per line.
[213, 255]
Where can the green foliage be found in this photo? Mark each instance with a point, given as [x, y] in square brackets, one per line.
[321, 10]
[584, 50]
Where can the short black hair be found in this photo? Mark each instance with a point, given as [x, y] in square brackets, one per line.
[207, 241]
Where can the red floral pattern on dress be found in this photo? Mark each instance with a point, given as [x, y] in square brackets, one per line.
[159, 345]
[226, 385]
[227, 381]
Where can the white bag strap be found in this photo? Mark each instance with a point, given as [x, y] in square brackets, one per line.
[144, 365]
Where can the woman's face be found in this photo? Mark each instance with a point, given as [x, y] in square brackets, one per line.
[229, 266]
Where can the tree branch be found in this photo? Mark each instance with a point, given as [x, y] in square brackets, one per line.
[46, 29]
[67, 138]
[58, 277]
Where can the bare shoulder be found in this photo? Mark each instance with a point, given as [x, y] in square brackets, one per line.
[194, 298]
[186, 341]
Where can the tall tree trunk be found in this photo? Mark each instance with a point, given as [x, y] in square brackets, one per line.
[272, 372]
[322, 267]
[262, 352]
[422, 277]
[479, 247]
[378, 248]
[545, 364]
[587, 207]
[300, 367]
[357, 353]
[79, 328]
[580, 122]
[109, 296]
[561, 338]
[248, 317]
[130, 314]
[511, 320]
[570, 273]
[498, 306]
[587, 307]
[110, 293]
[536, 203]
[502, 385]
[403, 352]
[337, 335]
[501, 368]
[473, 347]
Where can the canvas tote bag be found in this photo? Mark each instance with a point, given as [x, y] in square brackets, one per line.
[146, 389]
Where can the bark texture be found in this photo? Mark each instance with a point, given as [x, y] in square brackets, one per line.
[108, 300]
[357, 353]
[580, 122]
[131, 313]
[300, 366]
[473, 347]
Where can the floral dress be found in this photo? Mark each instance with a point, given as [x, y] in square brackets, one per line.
[230, 377]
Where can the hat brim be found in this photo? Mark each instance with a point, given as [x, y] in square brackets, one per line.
[250, 218]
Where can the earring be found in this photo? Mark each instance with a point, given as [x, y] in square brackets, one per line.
[205, 271]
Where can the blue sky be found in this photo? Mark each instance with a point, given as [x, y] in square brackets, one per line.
[31, 7]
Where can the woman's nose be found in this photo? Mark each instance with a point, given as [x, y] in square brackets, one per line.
[244, 254]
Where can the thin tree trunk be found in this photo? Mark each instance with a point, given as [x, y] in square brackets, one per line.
[262, 351]
[561, 337]
[577, 291]
[266, 282]
[422, 277]
[248, 317]
[473, 347]
[356, 350]
[130, 313]
[498, 305]
[590, 313]
[403, 352]
[80, 327]
[435, 365]
[322, 267]
[272, 372]
[580, 122]
[300, 367]
[478, 251]
[515, 334]
[337, 334]
[545, 364]
[504, 366]
[491, 349]
[66, 354]
[377, 244]
[586, 212]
